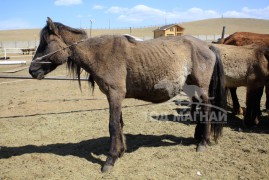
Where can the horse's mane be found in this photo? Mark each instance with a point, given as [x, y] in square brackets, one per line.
[75, 69]
[61, 26]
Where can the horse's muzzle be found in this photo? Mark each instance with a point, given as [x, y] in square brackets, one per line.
[40, 76]
[37, 74]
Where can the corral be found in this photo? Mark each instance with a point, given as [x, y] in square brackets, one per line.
[52, 130]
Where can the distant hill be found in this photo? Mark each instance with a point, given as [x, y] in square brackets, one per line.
[214, 26]
[202, 27]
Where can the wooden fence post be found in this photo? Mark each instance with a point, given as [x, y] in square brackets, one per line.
[223, 32]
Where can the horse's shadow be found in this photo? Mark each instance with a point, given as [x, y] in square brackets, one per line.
[91, 149]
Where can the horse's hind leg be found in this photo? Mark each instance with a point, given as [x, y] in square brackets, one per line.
[236, 106]
[202, 130]
[117, 144]
[198, 134]
[267, 97]
[253, 106]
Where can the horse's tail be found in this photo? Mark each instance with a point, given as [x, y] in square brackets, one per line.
[218, 91]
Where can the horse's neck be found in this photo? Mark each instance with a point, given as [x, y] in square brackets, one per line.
[94, 52]
[84, 55]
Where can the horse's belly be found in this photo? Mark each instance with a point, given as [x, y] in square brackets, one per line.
[235, 81]
[155, 96]
[156, 93]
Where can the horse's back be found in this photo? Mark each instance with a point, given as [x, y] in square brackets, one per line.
[157, 69]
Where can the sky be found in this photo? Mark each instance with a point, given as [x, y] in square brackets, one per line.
[28, 14]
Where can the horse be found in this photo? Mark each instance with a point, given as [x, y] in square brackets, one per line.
[244, 39]
[153, 71]
[246, 66]
[247, 38]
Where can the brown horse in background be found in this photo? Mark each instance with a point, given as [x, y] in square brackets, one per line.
[246, 66]
[244, 39]
[154, 71]
[247, 38]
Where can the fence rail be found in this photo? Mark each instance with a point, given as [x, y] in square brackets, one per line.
[6, 53]
[20, 45]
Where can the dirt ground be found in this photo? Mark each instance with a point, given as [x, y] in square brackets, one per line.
[51, 130]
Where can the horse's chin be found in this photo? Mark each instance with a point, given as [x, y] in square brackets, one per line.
[40, 76]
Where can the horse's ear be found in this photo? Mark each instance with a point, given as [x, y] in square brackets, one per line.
[51, 26]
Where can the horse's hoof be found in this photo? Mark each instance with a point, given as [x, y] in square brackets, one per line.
[201, 148]
[107, 168]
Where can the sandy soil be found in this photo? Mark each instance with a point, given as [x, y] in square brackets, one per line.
[51, 130]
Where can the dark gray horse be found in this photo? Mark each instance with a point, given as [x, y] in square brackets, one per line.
[153, 71]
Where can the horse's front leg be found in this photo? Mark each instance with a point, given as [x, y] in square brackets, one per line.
[117, 142]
